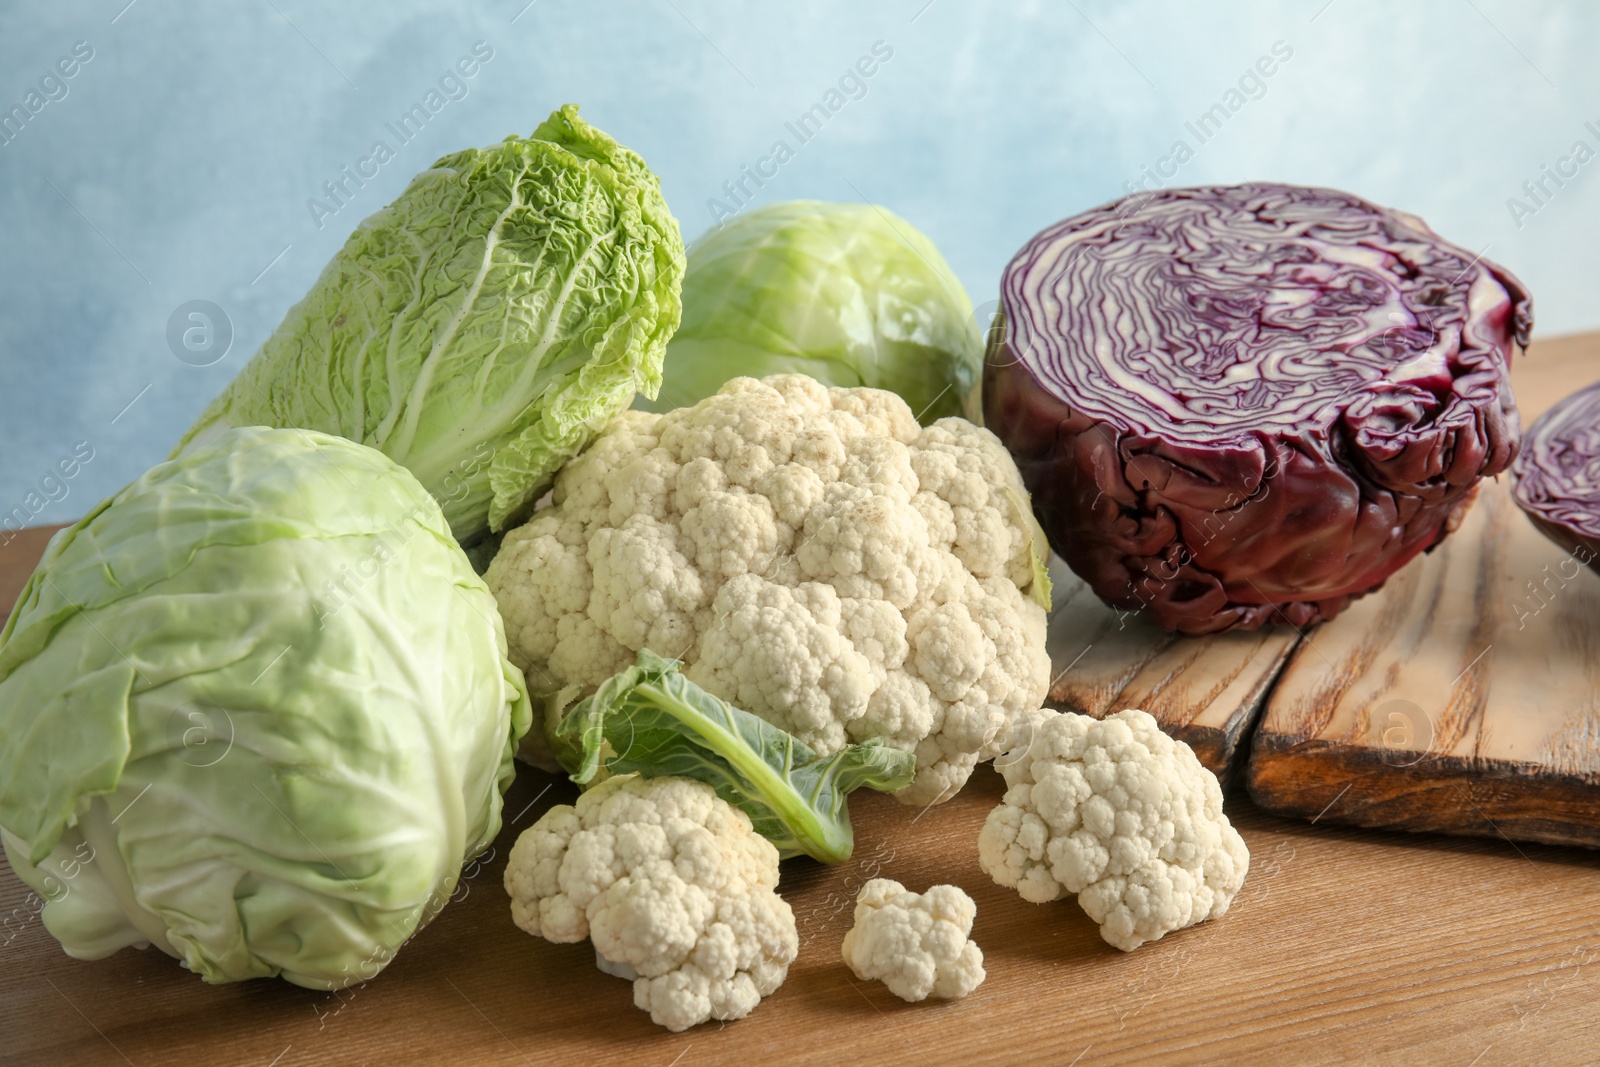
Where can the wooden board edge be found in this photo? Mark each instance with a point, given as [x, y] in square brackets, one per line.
[1242, 725]
[1222, 750]
[1437, 794]
[1216, 749]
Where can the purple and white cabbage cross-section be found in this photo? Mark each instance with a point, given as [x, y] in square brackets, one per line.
[1241, 405]
[1557, 475]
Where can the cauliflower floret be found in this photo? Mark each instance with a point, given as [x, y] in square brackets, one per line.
[917, 944]
[1119, 813]
[671, 884]
[783, 649]
[644, 592]
[811, 554]
[554, 584]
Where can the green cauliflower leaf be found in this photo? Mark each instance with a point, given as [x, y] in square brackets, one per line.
[651, 719]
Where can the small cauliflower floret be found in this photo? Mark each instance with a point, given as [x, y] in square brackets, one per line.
[1120, 814]
[811, 555]
[917, 944]
[673, 887]
[554, 581]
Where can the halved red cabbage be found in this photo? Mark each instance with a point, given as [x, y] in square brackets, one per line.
[1556, 477]
[1245, 404]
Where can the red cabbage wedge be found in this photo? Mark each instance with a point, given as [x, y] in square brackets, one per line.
[1557, 475]
[1249, 404]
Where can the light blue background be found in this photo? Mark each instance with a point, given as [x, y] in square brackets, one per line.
[185, 152]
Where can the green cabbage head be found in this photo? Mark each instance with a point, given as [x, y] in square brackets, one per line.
[850, 294]
[256, 710]
[481, 329]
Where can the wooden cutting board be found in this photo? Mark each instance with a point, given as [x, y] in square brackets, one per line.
[1206, 691]
[1463, 697]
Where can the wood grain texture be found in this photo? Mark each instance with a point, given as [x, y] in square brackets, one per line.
[1205, 691]
[1345, 947]
[1463, 697]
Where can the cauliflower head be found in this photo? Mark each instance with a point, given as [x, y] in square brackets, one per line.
[673, 887]
[1120, 814]
[917, 944]
[812, 555]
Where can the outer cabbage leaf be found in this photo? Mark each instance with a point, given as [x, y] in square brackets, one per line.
[483, 327]
[651, 719]
[849, 294]
[255, 709]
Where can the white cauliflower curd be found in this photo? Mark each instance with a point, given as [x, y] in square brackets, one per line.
[1119, 813]
[673, 887]
[917, 944]
[811, 554]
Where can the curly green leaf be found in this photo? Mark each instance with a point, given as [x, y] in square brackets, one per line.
[649, 718]
[483, 327]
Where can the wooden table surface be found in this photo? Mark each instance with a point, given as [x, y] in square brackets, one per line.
[1345, 946]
